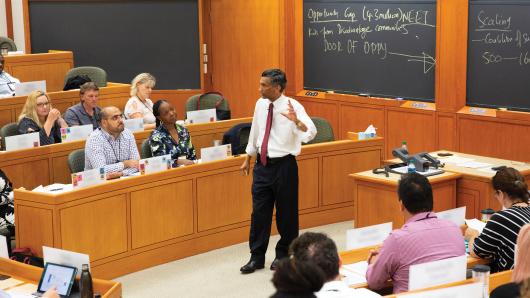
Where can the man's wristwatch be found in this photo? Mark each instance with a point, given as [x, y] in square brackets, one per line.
[299, 124]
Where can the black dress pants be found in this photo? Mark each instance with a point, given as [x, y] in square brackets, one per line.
[274, 184]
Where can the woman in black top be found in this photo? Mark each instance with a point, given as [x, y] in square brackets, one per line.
[39, 116]
[497, 240]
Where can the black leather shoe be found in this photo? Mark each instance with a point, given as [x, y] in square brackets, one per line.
[251, 266]
[274, 264]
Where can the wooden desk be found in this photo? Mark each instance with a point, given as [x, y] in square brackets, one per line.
[114, 94]
[474, 189]
[376, 200]
[31, 274]
[51, 67]
[130, 224]
[46, 165]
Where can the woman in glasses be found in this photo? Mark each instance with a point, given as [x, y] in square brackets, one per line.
[39, 116]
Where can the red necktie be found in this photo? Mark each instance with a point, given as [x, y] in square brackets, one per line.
[265, 143]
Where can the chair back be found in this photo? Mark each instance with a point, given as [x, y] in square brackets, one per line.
[210, 100]
[237, 136]
[76, 161]
[8, 130]
[96, 74]
[324, 131]
[145, 150]
[6, 42]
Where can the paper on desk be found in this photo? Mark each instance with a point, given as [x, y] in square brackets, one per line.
[10, 282]
[24, 289]
[476, 224]
[54, 188]
[487, 170]
[474, 164]
[367, 236]
[464, 291]
[354, 274]
[437, 273]
[454, 159]
[3, 247]
[457, 215]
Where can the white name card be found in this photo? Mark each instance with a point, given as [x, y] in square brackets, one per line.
[26, 88]
[457, 215]
[216, 153]
[65, 257]
[3, 247]
[437, 273]
[28, 140]
[155, 164]
[367, 236]
[201, 116]
[75, 133]
[87, 178]
[463, 291]
[136, 124]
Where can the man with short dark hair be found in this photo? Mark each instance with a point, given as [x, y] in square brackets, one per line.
[7, 82]
[112, 146]
[423, 238]
[87, 111]
[319, 249]
[279, 126]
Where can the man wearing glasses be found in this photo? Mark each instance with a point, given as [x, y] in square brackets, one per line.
[111, 146]
[7, 82]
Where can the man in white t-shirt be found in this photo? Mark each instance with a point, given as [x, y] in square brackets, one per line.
[319, 249]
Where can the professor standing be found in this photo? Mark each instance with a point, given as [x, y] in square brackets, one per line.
[279, 126]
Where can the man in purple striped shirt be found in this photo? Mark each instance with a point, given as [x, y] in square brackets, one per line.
[423, 238]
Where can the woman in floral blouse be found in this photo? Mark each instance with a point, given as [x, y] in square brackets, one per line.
[169, 137]
[7, 215]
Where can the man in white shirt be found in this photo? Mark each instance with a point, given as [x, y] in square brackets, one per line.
[279, 126]
[322, 251]
[7, 82]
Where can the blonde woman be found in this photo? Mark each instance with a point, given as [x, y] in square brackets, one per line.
[39, 116]
[139, 105]
[521, 271]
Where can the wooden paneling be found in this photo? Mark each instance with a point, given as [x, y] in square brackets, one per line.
[336, 183]
[308, 193]
[415, 127]
[377, 205]
[470, 199]
[446, 131]
[102, 225]
[358, 118]
[32, 173]
[161, 213]
[245, 40]
[328, 111]
[229, 190]
[29, 229]
[444, 196]
[177, 98]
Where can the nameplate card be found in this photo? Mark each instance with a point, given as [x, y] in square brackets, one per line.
[457, 215]
[134, 125]
[25, 141]
[463, 291]
[75, 133]
[216, 153]
[437, 273]
[367, 236]
[201, 116]
[155, 164]
[65, 257]
[22, 89]
[88, 178]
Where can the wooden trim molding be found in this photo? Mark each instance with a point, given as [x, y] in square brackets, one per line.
[27, 33]
[9, 19]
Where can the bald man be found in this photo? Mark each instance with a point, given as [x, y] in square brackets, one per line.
[112, 146]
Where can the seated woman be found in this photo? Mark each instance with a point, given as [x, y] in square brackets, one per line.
[39, 116]
[7, 208]
[139, 105]
[169, 137]
[497, 240]
[521, 270]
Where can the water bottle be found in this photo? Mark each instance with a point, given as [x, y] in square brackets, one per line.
[411, 168]
[481, 274]
[404, 146]
[85, 283]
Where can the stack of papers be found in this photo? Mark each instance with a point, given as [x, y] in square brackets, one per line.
[9, 283]
[54, 188]
[476, 224]
[354, 274]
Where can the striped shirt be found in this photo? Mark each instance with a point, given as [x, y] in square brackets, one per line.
[423, 238]
[497, 240]
[102, 150]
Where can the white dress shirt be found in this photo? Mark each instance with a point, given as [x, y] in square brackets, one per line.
[339, 289]
[7, 84]
[285, 138]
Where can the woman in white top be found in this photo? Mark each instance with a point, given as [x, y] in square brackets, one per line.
[139, 105]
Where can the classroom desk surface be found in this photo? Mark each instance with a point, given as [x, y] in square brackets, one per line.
[51, 67]
[474, 188]
[198, 208]
[376, 201]
[31, 275]
[46, 165]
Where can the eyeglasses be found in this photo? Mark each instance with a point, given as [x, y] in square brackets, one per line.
[115, 117]
[43, 104]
